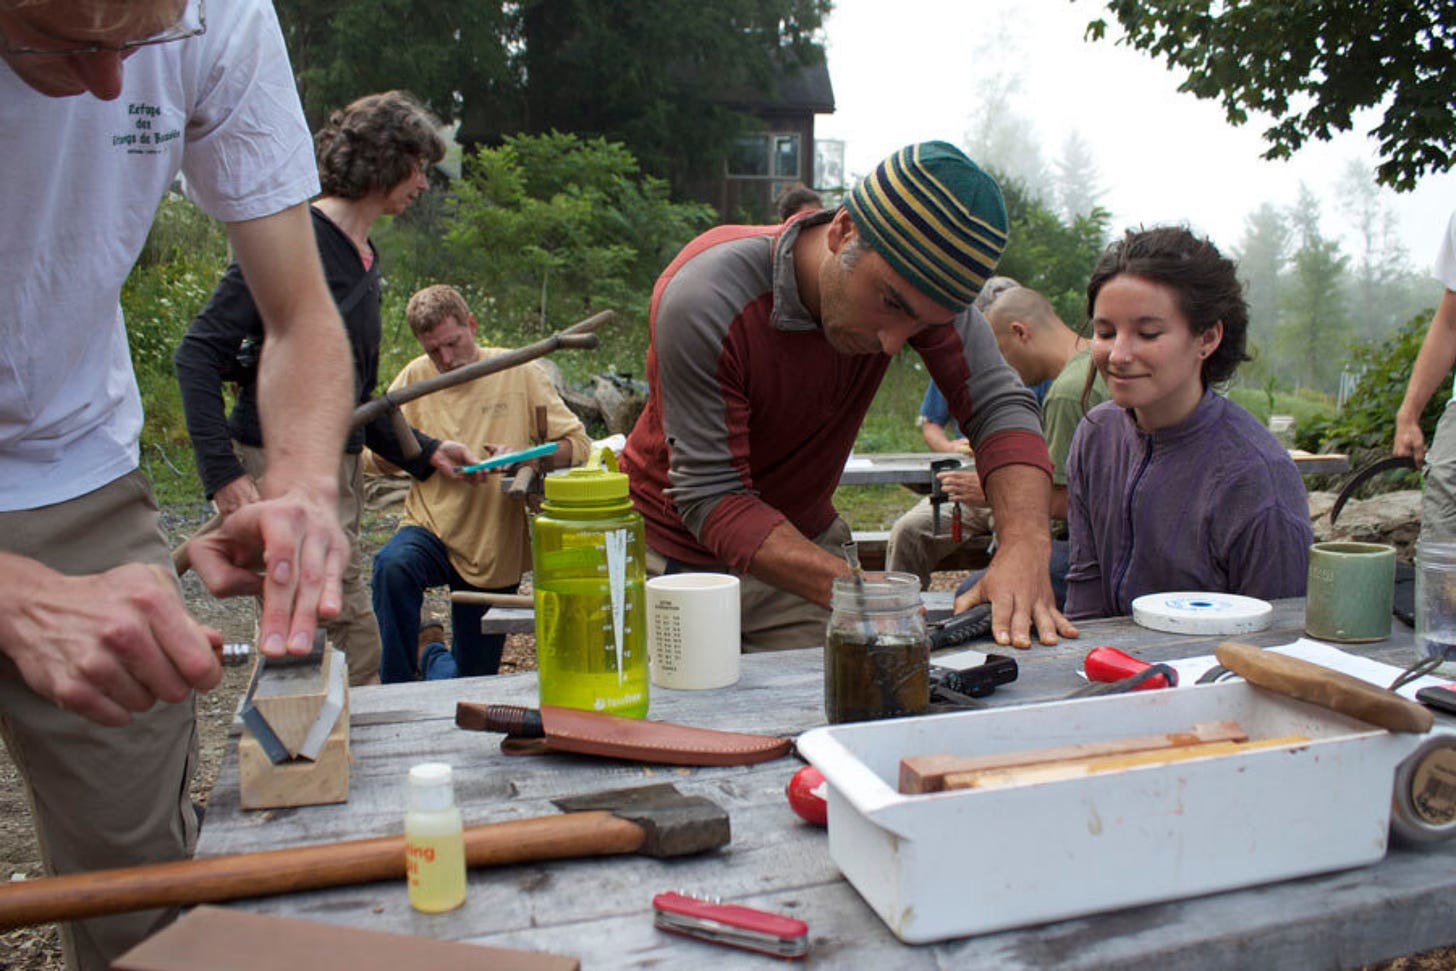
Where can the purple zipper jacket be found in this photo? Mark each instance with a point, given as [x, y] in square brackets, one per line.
[1212, 504]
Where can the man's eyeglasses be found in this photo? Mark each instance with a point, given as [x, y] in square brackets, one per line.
[181, 30]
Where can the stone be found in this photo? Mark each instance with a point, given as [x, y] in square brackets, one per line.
[1393, 518]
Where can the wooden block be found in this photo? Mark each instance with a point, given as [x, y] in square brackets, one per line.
[220, 939]
[1025, 775]
[926, 773]
[290, 697]
[297, 782]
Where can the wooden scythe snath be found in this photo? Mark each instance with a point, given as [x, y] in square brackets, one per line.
[579, 336]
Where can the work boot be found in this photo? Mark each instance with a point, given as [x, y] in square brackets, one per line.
[431, 633]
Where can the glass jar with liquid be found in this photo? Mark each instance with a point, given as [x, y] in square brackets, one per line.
[1435, 605]
[876, 649]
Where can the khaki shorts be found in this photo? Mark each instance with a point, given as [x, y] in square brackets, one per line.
[101, 797]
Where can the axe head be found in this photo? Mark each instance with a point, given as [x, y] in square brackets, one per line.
[673, 824]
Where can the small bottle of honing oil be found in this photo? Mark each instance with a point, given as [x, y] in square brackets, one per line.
[434, 840]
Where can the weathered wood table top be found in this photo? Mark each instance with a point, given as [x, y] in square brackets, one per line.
[600, 909]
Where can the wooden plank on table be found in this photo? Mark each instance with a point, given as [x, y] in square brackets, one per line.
[508, 620]
[1310, 463]
[1025, 775]
[932, 773]
[233, 940]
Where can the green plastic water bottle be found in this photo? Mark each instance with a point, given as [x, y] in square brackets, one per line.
[589, 575]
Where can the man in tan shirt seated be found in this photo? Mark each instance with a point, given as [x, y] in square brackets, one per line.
[455, 533]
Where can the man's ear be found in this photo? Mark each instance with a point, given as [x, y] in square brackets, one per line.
[1021, 332]
[471, 318]
[841, 231]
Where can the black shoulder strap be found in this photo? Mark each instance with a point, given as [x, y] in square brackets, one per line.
[356, 293]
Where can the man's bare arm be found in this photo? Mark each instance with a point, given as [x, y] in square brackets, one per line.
[938, 441]
[790, 561]
[1433, 364]
[1018, 583]
[305, 394]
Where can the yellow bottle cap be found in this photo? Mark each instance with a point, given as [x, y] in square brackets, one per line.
[597, 481]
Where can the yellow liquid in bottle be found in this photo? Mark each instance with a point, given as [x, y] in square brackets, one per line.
[435, 860]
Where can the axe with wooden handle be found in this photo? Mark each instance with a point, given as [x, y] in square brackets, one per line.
[652, 820]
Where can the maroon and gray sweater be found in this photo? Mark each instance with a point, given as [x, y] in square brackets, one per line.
[751, 414]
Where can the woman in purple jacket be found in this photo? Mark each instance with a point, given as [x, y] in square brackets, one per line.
[1171, 486]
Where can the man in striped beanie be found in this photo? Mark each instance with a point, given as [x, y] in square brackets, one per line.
[768, 344]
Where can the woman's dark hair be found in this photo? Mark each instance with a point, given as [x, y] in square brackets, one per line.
[374, 143]
[1205, 282]
[795, 198]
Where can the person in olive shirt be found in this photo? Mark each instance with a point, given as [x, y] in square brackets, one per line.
[1041, 347]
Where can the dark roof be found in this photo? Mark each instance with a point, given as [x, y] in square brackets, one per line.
[800, 88]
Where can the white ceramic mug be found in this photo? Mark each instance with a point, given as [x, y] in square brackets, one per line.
[692, 630]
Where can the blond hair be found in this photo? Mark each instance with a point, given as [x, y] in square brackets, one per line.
[430, 306]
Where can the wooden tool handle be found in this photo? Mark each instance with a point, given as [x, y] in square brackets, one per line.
[187, 882]
[521, 483]
[404, 435]
[1324, 686]
[492, 599]
[182, 556]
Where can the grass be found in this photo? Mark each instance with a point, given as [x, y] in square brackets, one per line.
[1303, 405]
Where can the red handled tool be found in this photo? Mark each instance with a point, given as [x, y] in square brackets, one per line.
[731, 924]
[1107, 664]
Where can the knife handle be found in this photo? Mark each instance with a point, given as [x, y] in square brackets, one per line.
[513, 720]
[1319, 685]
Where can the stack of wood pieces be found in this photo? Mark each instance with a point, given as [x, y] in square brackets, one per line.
[294, 746]
[935, 773]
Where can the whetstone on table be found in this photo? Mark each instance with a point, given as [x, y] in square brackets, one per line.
[294, 748]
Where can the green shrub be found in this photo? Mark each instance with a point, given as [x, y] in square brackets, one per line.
[185, 254]
[545, 231]
[1365, 427]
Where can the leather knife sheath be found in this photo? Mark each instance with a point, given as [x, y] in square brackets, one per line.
[555, 729]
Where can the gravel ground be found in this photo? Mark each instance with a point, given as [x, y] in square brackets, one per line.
[38, 948]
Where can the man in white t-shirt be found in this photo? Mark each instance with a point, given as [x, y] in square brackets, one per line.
[103, 104]
[1433, 364]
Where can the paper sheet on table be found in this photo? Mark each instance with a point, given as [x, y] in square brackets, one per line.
[1190, 669]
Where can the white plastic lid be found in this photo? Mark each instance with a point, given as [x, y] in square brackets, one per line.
[431, 787]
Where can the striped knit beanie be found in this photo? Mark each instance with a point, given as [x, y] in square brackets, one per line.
[936, 217]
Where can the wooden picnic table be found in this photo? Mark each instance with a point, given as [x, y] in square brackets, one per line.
[912, 469]
[522, 620]
[600, 909]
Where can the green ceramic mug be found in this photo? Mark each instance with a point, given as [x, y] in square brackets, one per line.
[1351, 591]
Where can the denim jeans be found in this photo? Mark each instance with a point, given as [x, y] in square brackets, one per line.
[411, 562]
[437, 663]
